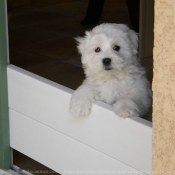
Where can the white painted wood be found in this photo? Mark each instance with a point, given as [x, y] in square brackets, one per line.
[128, 141]
[60, 152]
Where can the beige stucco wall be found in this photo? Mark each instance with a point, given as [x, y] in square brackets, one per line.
[164, 88]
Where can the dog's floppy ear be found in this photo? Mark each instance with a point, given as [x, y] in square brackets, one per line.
[133, 36]
[82, 42]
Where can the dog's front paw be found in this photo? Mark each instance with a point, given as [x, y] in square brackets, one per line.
[80, 107]
[126, 108]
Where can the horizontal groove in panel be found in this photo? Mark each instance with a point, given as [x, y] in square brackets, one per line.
[59, 152]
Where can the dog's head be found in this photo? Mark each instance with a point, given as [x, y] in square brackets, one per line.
[108, 47]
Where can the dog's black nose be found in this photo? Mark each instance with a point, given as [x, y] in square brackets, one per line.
[106, 61]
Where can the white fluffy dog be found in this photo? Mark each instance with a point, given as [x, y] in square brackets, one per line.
[113, 72]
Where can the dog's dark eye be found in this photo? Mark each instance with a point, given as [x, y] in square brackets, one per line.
[98, 49]
[116, 48]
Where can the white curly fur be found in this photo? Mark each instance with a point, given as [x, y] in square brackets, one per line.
[122, 83]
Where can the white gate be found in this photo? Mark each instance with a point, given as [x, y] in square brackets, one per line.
[42, 128]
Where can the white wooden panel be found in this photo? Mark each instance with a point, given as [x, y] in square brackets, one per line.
[59, 152]
[128, 141]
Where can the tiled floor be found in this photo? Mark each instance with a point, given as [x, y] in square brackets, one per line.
[42, 36]
[41, 40]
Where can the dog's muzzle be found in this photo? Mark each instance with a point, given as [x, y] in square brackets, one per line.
[107, 63]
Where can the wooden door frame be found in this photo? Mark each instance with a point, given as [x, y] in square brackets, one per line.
[4, 116]
[146, 25]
